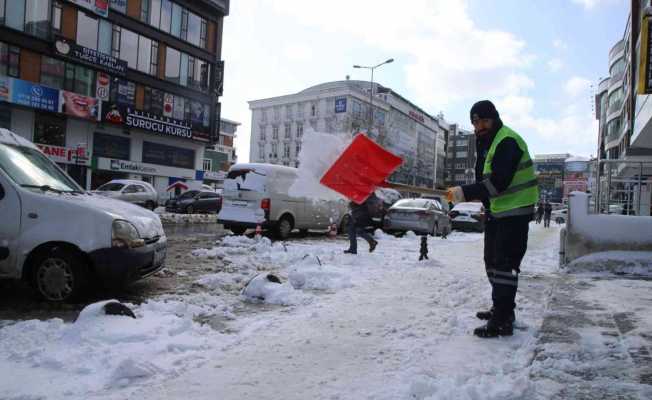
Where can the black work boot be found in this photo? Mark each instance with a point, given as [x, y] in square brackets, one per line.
[372, 246]
[486, 315]
[349, 251]
[494, 329]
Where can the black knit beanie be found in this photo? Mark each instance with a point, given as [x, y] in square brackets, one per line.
[484, 109]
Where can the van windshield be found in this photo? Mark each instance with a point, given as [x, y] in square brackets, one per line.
[245, 180]
[30, 168]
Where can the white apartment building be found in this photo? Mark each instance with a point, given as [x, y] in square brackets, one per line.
[278, 124]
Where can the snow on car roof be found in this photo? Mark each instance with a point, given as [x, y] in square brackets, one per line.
[8, 137]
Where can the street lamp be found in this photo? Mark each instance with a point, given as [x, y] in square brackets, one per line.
[371, 92]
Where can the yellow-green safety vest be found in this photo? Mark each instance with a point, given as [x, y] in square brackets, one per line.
[523, 192]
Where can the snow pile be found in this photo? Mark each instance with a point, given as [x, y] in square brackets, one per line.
[262, 289]
[99, 352]
[619, 262]
[608, 228]
[174, 218]
[318, 152]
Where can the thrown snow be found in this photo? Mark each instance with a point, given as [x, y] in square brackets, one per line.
[318, 152]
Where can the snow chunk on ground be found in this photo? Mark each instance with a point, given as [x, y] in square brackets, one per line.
[261, 289]
[619, 262]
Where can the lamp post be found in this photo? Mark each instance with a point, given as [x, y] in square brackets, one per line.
[371, 92]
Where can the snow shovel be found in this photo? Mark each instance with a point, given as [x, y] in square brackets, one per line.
[360, 169]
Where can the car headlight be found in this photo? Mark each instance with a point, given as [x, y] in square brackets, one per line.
[124, 234]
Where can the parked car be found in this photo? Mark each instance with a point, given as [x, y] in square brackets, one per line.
[422, 216]
[560, 216]
[131, 191]
[195, 201]
[60, 238]
[258, 194]
[468, 216]
[388, 198]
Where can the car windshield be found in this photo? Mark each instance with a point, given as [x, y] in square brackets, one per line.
[412, 203]
[111, 187]
[28, 167]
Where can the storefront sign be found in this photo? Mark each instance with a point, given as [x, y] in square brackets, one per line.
[65, 155]
[417, 116]
[340, 105]
[103, 86]
[112, 164]
[28, 94]
[91, 57]
[99, 7]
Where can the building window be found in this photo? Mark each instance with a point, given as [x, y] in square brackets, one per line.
[144, 54]
[144, 10]
[166, 15]
[153, 101]
[62, 75]
[9, 60]
[313, 110]
[287, 131]
[53, 72]
[299, 130]
[111, 146]
[29, 16]
[298, 149]
[119, 5]
[261, 152]
[203, 43]
[460, 154]
[50, 129]
[275, 133]
[194, 29]
[274, 150]
[87, 28]
[129, 47]
[173, 156]
[172, 64]
[286, 150]
[207, 164]
[15, 14]
[123, 92]
[57, 11]
[175, 29]
[105, 37]
[262, 133]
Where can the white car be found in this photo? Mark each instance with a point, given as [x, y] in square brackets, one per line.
[468, 216]
[258, 195]
[59, 238]
[131, 191]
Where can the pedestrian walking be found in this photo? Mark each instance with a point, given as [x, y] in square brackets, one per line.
[547, 214]
[360, 219]
[539, 212]
[507, 186]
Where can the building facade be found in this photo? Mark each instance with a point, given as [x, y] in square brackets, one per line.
[219, 157]
[624, 111]
[278, 125]
[114, 89]
[550, 169]
[460, 157]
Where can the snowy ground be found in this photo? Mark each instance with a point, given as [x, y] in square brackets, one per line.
[381, 326]
[176, 218]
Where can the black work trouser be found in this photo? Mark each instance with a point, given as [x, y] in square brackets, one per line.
[505, 242]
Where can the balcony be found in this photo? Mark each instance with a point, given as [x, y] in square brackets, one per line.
[616, 50]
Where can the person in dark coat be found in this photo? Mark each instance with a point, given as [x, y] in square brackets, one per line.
[539, 212]
[507, 186]
[360, 218]
[547, 214]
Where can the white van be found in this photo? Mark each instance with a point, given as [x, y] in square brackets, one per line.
[59, 237]
[258, 194]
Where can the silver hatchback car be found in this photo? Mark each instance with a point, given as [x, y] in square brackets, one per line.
[131, 191]
[422, 216]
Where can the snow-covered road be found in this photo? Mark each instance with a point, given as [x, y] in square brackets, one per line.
[371, 326]
[401, 331]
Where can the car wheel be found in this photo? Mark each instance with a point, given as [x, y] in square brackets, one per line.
[238, 230]
[150, 205]
[284, 228]
[59, 274]
[190, 210]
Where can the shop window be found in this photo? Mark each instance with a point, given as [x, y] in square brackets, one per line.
[87, 30]
[123, 92]
[111, 146]
[160, 154]
[9, 60]
[153, 101]
[50, 129]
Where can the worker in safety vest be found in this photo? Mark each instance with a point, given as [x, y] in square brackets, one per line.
[507, 186]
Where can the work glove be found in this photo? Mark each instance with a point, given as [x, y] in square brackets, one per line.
[455, 195]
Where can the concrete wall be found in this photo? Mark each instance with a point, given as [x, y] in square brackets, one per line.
[592, 233]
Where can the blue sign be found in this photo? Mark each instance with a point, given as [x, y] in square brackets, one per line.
[340, 105]
[36, 96]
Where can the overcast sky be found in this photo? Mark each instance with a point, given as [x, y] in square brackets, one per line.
[538, 60]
